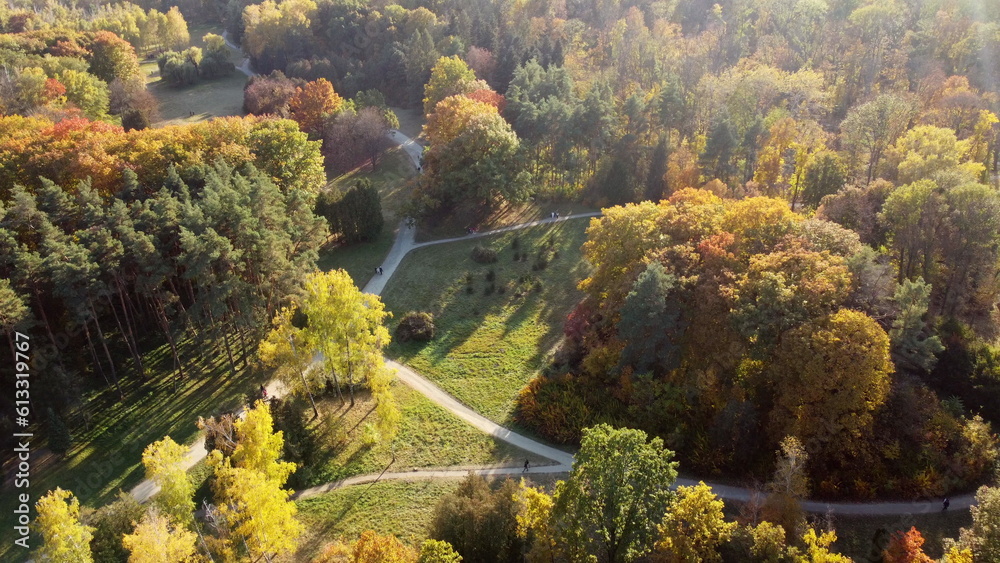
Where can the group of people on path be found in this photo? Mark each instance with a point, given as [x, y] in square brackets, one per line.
[378, 270]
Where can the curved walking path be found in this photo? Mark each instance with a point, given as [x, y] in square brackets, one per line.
[404, 243]
[244, 66]
[413, 149]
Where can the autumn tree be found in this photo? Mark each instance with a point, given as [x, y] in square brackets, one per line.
[64, 538]
[347, 326]
[694, 527]
[534, 519]
[618, 485]
[926, 151]
[906, 548]
[824, 175]
[912, 213]
[816, 548]
[449, 76]
[983, 537]
[159, 539]
[175, 31]
[257, 510]
[830, 376]
[112, 57]
[872, 127]
[313, 104]
[285, 349]
[480, 520]
[259, 446]
[86, 92]
[164, 463]
[436, 551]
[784, 288]
[476, 158]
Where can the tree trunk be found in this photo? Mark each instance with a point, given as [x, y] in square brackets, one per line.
[350, 372]
[96, 360]
[104, 344]
[165, 325]
[127, 336]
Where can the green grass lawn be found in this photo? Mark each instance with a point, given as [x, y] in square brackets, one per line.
[401, 508]
[207, 99]
[488, 346]
[429, 436]
[211, 98]
[109, 437]
[507, 214]
[390, 178]
[411, 121]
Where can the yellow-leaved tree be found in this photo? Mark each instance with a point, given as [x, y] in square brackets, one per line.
[164, 462]
[248, 487]
[347, 327]
[64, 538]
[533, 515]
[694, 527]
[257, 510]
[158, 540]
[259, 447]
[285, 349]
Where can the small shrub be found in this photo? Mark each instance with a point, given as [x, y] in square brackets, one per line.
[538, 285]
[550, 242]
[540, 263]
[483, 255]
[555, 254]
[469, 289]
[468, 277]
[516, 243]
[417, 326]
[534, 267]
[489, 289]
[517, 256]
[502, 289]
[491, 275]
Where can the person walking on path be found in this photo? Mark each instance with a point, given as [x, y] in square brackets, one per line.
[945, 504]
[526, 463]
[380, 270]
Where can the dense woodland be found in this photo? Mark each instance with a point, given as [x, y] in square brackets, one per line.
[799, 250]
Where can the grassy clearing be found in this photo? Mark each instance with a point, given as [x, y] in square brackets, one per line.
[429, 436]
[488, 346]
[207, 99]
[359, 259]
[212, 98]
[390, 178]
[411, 121]
[108, 436]
[401, 508]
[504, 216]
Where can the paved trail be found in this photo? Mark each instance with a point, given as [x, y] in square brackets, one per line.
[404, 243]
[244, 66]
